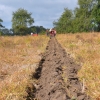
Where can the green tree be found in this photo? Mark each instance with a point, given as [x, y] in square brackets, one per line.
[63, 24]
[21, 20]
[96, 14]
[79, 20]
[83, 17]
[37, 29]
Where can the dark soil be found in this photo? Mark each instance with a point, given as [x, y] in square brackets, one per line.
[56, 76]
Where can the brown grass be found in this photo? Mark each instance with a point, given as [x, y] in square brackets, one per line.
[18, 59]
[85, 49]
[20, 55]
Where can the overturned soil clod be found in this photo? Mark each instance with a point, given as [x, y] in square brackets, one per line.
[56, 76]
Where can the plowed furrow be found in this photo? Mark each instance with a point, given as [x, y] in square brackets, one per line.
[57, 76]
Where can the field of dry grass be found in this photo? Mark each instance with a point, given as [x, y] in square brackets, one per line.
[85, 49]
[20, 55]
[18, 59]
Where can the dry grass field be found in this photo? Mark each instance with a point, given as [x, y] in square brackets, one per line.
[85, 49]
[20, 55]
[18, 59]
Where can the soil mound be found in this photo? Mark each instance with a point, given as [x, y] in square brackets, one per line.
[56, 76]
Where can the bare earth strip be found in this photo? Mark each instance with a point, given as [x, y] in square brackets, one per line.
[56, 77]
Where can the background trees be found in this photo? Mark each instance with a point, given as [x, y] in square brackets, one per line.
[64, 22]
[85, 18]
[21, 20]
[37, 29]
[96, 14]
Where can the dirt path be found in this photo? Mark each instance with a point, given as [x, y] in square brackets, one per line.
[56, 76]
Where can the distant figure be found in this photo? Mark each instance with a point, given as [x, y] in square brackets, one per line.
[52, 32]
[31, 33]
[34, 34]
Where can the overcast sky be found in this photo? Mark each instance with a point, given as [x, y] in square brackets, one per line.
[44, 12]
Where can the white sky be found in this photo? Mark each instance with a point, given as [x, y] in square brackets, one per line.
[44, 12]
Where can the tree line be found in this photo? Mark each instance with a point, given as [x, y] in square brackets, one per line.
[22, 24]
[84, 18]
